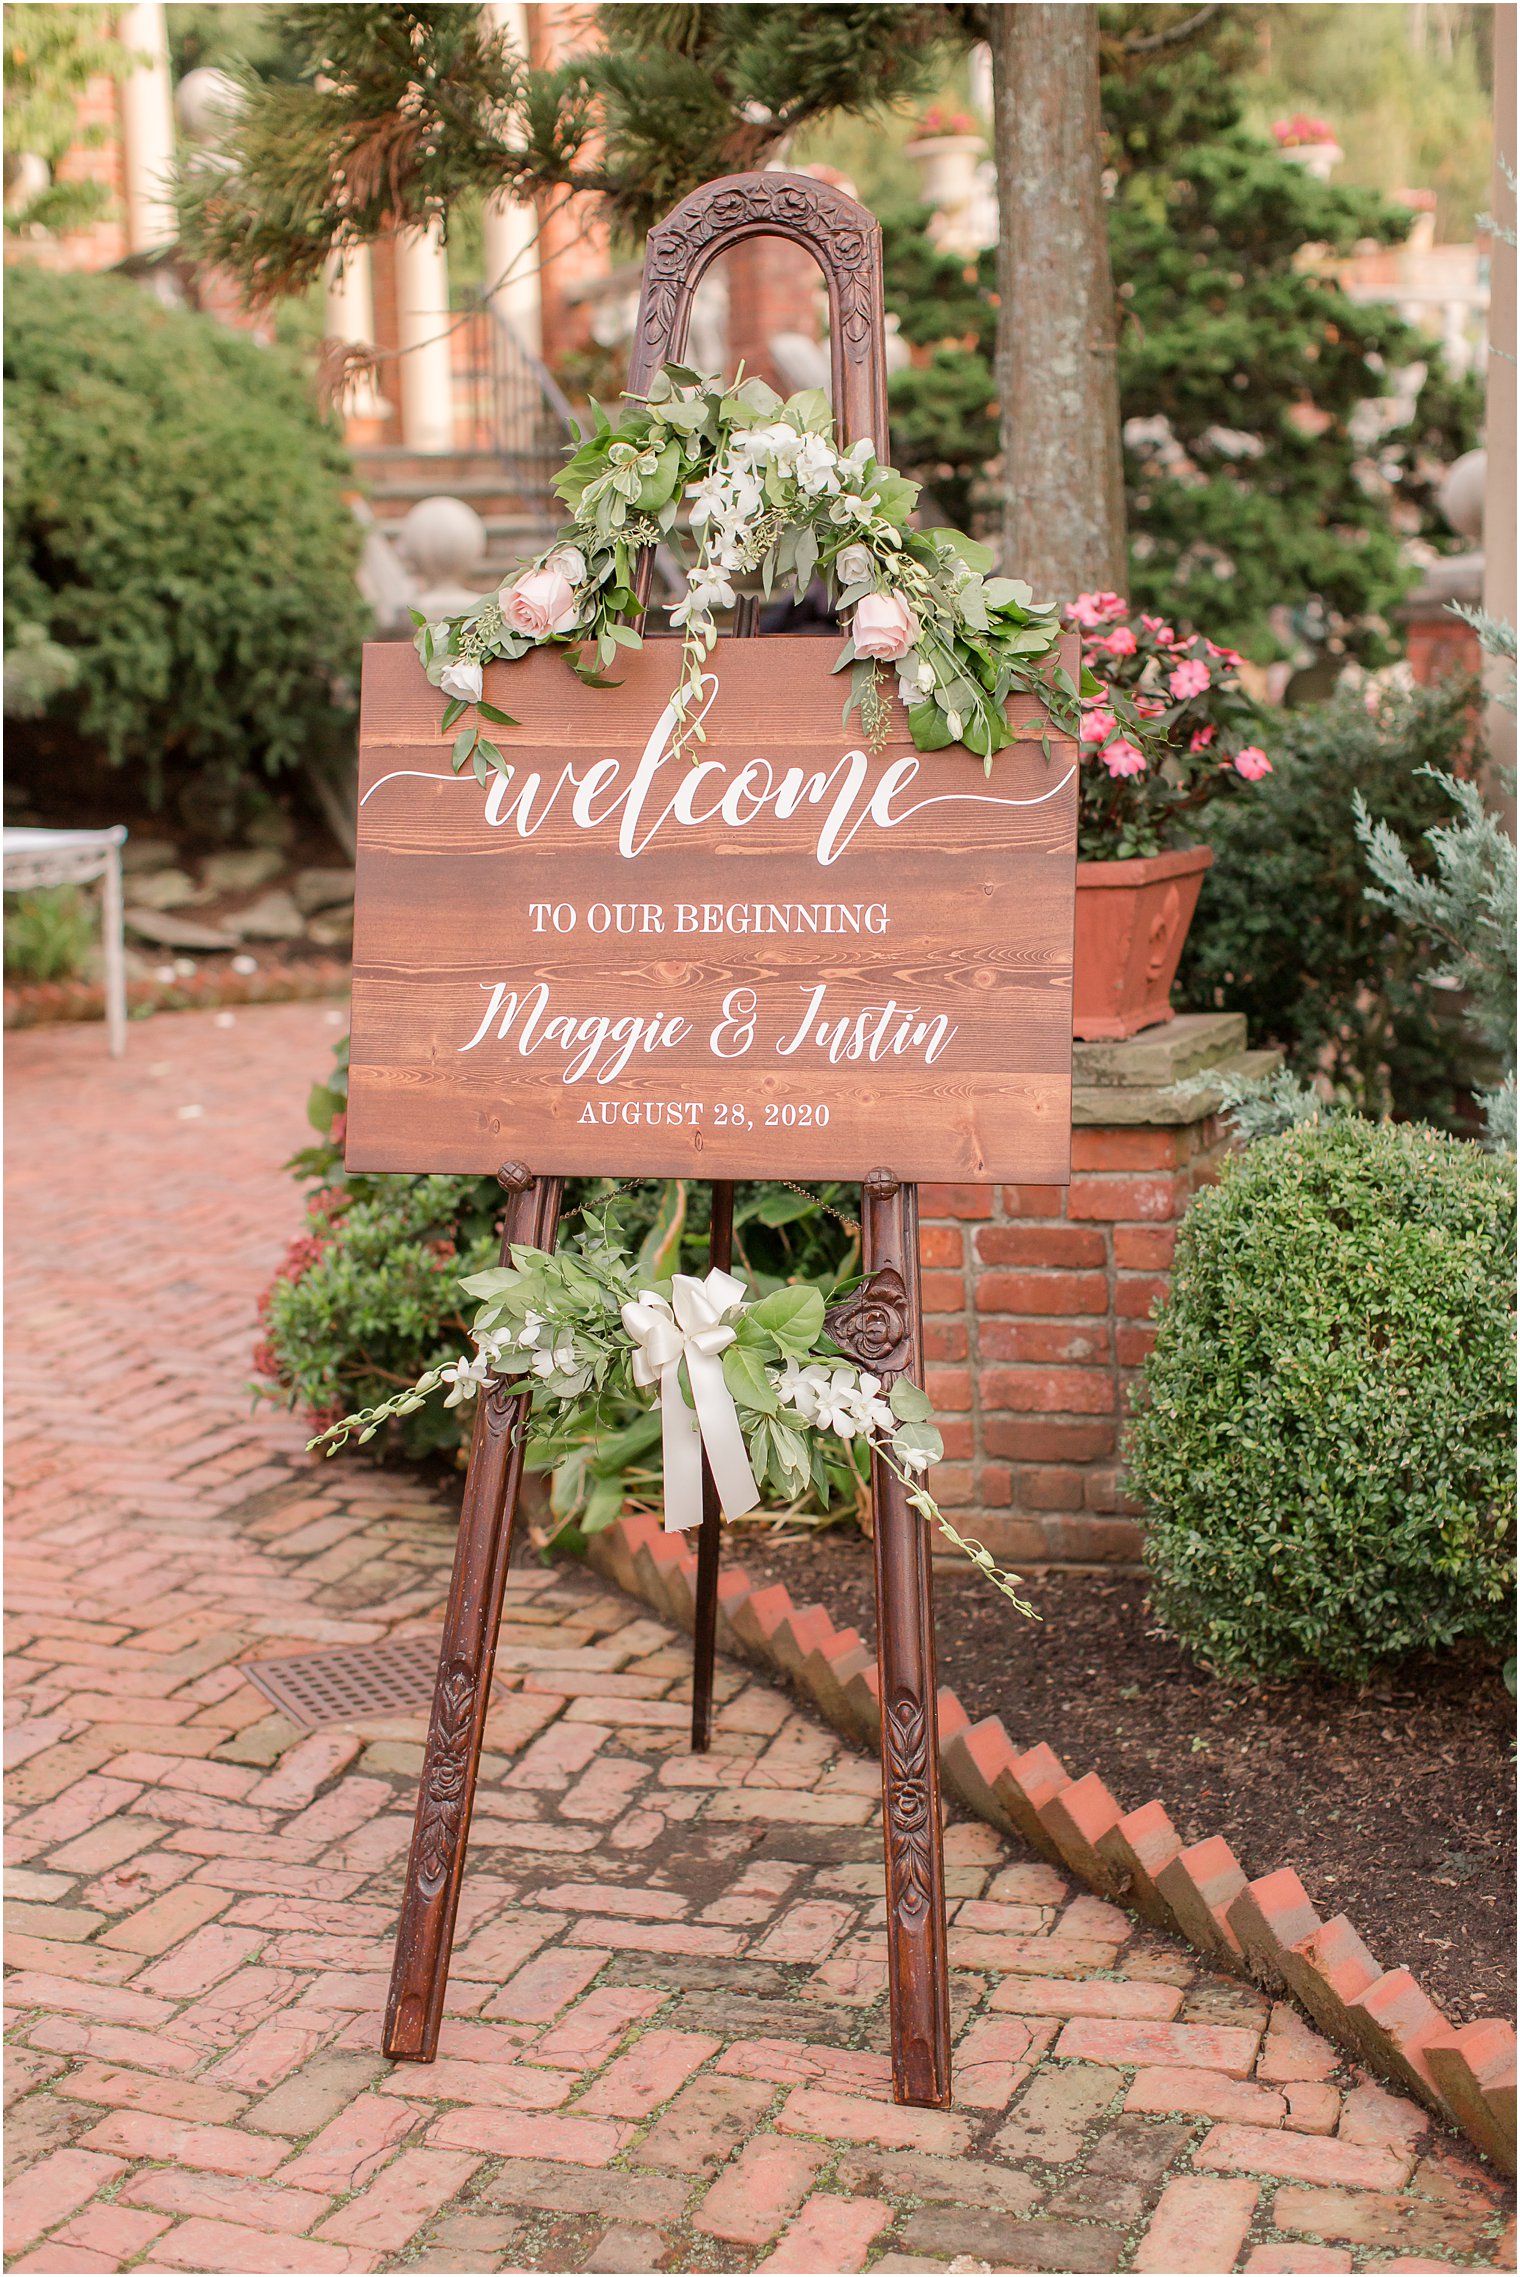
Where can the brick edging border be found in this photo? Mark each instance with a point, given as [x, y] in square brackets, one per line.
[48, 1004]
[1267, 1929]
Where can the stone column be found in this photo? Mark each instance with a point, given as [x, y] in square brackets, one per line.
[349, 316]
[1037, 1299]
[1499, 504]
[573, 240]
[510, 226]
[147, 128]
[426, 342]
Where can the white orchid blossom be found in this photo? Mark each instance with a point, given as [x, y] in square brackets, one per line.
[464, 1378]
[561, 1360]
[836, 1397]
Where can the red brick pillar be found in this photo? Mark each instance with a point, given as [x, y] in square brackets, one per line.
[1037, 1299]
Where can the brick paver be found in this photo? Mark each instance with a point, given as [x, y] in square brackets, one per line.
[666, 2036]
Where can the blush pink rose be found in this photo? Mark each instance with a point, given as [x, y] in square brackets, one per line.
[540, 604]
[1097, 727]
[1253, 763]
[1190, 679]
[1120, 642]
[884, 628]
[1122, 758]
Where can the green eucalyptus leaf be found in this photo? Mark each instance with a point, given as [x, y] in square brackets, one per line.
[908, 1403]
[748, 1381]
[794, 1316]
[926, 725]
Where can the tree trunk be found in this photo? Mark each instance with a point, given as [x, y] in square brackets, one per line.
[1063, 490]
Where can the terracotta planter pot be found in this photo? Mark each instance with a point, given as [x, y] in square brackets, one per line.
[1132, 919]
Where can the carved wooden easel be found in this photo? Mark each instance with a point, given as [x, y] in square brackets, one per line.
[880, 1326]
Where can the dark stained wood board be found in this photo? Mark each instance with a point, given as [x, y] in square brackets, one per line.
[973, 894]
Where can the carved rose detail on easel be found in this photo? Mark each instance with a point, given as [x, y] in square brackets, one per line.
[814, 211]
[908, 1810]
[504, 1406]
[873, 1325]
[445, 1777]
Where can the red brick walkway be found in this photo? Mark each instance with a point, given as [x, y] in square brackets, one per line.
[665, 2046]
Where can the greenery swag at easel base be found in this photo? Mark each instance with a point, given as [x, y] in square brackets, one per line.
[554, 1325]
[769, 494]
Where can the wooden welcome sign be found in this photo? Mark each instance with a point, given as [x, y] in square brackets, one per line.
[775, 954]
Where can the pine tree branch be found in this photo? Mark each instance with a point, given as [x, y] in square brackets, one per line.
[1171, 35]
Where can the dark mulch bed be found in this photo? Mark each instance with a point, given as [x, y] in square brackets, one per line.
[1394, 1803]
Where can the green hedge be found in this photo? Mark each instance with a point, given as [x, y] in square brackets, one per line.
[1326, 1428]
[175, 521]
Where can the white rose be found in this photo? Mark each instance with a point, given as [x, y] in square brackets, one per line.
[461, 680]
[855, 564]
[570, 562]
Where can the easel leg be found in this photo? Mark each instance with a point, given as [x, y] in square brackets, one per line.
[720, 1251]
[917, 1972]
[430, 1902]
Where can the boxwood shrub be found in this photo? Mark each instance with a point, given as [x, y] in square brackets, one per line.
[176, 527]
[1325, 1431]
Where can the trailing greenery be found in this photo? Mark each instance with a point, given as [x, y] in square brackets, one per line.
[1325, 1439]
[1284, 930]
[754, 1387]
[175, 523]
[771, 493]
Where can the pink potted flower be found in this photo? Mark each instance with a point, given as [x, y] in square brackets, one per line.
[1168, 728]
[1308, 142]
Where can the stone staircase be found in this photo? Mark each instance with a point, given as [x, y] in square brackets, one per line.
[518, 521]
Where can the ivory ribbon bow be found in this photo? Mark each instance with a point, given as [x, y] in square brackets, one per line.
[689, 1327]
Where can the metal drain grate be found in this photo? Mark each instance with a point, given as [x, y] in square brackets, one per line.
[354, 1680]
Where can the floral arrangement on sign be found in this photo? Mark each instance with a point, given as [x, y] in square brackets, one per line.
[760, 1387]
[1166, 726]
[769, 493]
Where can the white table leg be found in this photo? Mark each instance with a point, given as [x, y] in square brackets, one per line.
[115, 959]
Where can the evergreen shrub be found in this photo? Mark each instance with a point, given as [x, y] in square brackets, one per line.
[1325, 1435]
[1285, 931]
[175, 521]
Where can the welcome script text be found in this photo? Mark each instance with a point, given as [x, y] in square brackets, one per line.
[628, 806]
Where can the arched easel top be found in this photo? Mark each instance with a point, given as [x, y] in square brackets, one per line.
[843, 238]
